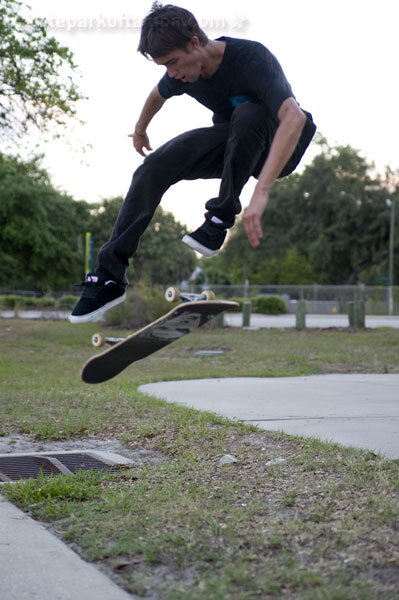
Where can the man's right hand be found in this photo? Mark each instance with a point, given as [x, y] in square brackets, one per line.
[140, 141]
[151, 106]
[253, 217]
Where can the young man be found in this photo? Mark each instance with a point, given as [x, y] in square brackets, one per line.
[258, 129]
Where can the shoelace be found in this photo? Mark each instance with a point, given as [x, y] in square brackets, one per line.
[90, 281]
[86, 283]
[212, 231]
[91, 289]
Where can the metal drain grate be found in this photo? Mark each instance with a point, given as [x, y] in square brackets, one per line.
[14, 467]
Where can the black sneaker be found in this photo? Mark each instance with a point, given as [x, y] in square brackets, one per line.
[99, 295]
[207, 239]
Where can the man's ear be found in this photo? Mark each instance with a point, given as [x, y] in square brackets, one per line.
[193, 44]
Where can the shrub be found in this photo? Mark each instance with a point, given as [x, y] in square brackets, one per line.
[12, 301]
[269, 305]
[144, 304]
[45, 302]
[33, 302]
[26, 301]
[67, 301]
[240, 302]
[9, 301]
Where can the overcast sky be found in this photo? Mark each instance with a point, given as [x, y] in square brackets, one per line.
[339, 56]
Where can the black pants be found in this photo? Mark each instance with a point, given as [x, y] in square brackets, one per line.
[232, 151]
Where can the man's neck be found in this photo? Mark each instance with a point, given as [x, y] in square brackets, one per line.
[213, 54]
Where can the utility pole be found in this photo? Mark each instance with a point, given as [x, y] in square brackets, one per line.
[391, 204]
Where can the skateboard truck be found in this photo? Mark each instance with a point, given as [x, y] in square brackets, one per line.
[172, 294]
[98, 340]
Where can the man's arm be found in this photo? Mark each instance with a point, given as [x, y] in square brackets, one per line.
[151, 106]
[292, 121]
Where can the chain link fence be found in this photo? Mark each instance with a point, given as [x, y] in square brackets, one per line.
[319, 299]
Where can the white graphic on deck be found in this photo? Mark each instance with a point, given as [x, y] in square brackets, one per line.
[176, 327]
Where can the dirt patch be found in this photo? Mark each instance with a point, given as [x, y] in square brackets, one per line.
[154, 582]
[13, 444]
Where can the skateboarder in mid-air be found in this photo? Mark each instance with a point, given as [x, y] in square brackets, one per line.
[258, 130]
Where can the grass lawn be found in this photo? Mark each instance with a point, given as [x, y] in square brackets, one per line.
[324, 524]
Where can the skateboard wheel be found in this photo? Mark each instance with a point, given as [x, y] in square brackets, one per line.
[98, 340]
[209, 295]
[172, 294]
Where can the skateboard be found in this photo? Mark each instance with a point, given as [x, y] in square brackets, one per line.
[194, 311]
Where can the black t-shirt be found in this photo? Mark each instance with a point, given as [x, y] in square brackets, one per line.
[248, 72]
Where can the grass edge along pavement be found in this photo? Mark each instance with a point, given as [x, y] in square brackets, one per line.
[322, 524]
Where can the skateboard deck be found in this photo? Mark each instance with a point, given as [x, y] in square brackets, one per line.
[178, 322]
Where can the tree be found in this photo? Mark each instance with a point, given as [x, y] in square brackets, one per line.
[333, 216]
[42, 233]
[102, 218]
[36, 84]
[39, 228]
[295, 269]
[343, 220]
[161, 257]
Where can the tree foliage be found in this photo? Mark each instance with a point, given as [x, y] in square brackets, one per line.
[161, 257]
[39, 229]
[42, 234]
[329, 224]
[36, 74]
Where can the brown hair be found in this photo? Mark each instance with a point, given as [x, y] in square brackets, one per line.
[167, 28]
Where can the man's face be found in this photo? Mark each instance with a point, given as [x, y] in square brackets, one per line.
[185, 65]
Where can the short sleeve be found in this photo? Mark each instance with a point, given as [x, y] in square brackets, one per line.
[168, 87]
[268, 80]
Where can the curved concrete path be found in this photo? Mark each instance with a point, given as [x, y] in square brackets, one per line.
[352, 410]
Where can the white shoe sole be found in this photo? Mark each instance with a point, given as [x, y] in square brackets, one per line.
[189, 241]
[97, 314]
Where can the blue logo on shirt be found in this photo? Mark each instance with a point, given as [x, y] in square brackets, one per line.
[236, 100]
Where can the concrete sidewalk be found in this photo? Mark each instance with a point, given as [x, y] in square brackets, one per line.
[353, 410]
[35, 565]
[288, 321]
